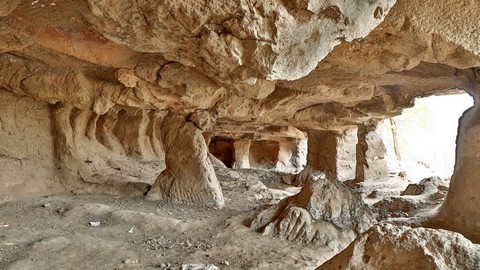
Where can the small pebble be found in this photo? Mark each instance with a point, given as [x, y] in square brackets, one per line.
[61, 210]
[95, 223]
[130, 261]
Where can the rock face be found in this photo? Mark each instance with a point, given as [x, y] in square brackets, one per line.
[322, 152]
[291, 155]
[370, 153]
[264, 154]
[189, 176]
[242, 154]
[119, 152]
[329, 152]
[7, 6]
[27, 155]
[325, 212]
[395, 207]
[459, 212]
[251, 39]
[388, 246]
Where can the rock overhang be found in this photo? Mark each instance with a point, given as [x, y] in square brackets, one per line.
[304, 64]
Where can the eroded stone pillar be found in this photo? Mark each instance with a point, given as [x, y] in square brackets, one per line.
[287, 148]
[331, 153]
[370, 153]
[322, 152]
[299, 158]
[189, 176]
[241, 154]
[346, 149]
[461, 211]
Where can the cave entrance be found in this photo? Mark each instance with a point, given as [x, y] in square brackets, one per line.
[422, 141]
[223, 149]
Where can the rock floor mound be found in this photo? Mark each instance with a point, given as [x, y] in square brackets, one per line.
[325, 212]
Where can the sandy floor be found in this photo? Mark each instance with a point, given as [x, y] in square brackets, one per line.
[54, 232]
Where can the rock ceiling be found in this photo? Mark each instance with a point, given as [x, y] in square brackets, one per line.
[268, 67]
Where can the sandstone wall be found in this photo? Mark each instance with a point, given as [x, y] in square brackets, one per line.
[291, 156]
[264, 154]
[332, 152]
[242, 153]
[27, 158]
[46, 149]
[370, 153]
[119, 152]
[460, 211]
[346, 149]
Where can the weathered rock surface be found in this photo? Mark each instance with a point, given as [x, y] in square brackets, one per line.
[7, 6]
[427, 194]
[251, 187]
[460, 211]
[189, 176]
[396, 207]
[388, 246]
[242, 154]
[427, 186]
[329, 153]
[370, 153]
[246, 39]
[119, 152]
[27, 155]
[325, 212]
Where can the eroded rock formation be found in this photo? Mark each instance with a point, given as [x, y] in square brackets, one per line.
[246, 39]
[325, 212]
[189, 176]
[459, 212]
[399, 247]
[107, 96]
[329, 153]
[119, 152]
[370, 153]
[242, 154]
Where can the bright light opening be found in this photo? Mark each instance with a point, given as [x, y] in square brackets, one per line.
[422, 141]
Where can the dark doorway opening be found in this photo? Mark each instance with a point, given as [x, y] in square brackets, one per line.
[222, 148]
